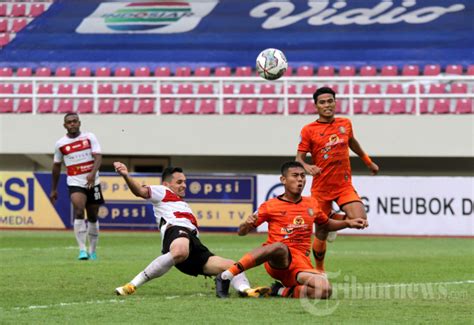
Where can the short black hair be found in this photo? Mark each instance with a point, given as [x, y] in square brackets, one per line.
[70, 114]
[288, 165]
[168, 172]
[323, 90]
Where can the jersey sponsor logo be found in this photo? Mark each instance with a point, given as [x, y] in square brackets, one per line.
[75, 147]
[333, 140]
[79, 169]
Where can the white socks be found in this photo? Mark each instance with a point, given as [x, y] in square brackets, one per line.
[80, 230]
[227, 275]
[239, 282]
[155, 269]
[93, 232]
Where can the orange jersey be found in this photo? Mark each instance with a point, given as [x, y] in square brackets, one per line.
[328, 144]
[291, 223]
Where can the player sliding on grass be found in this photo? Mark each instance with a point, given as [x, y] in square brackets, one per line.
[286, 252]
[181, 245]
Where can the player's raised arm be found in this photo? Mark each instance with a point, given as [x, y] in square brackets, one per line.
[356, 148]
[136, 188]
[334, 225]
[310, 169]
[248, 225]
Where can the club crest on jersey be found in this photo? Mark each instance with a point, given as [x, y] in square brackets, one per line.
[342, 130]
[298, 220]
[311, 212]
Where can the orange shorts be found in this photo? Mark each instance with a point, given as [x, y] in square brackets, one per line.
[299, 262]
[345, 195]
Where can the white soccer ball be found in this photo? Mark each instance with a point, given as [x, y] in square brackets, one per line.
[271, 64]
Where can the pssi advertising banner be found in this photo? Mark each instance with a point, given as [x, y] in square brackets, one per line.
[219, 202]
[431, 206]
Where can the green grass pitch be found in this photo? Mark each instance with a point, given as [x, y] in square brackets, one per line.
[376, 280]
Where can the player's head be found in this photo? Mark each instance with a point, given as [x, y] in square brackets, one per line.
[174, 178]
[325, 101]
[72, 123]
[293, 177]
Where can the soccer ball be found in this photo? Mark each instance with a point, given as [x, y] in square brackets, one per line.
[271, 64]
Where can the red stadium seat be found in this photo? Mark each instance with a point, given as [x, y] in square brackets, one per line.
[146, 106]
[125, 106]
[103, 72]
[458, 88]
[376, 106]
[441, 106]
[6, 72]
[45, 106]
[36, 9]
[308, 107]
[389, 70]
[84, 89]
[183, 72]
[106, 106]
[202, 72]
[124, 89]
[205, 89]
[432, 70]
[65, 106]
[142, 72]
[247, 89]
[454, 69]
[437, 89]
[325, 71]
[358, 106]
[368, 71]
[305, 71]
[122, 72]
[249, 106]
[230, 106]
[18, 24]
[270, 106]
[423, 106]
[355, 89]
[24, 72]
[3, 9]
[4, 39]
[187, 106]
[25, 88]
[85, 106]
[347, 71]
[45, 89]
[292, 89]
[228, 89]
[398, 106]
[243, 72]
[222, 72]
[166, 89]
[373, 89]
[6, 88]
[83, 72]
[65, 89]
[62, 72]
[207, 106]
[341, 106]
[43, 72]
[464, 106]
[267, 89]
[185, 89]
[145, 89]
[394, 89]
[334, 87]
[6, 105]
[410, 70]
[3, 25]
[293, 106]
[18, 10]
[105, 89]
[412, 89]
[25, 105]
[289, 71]
[162, 72]
[470, 70]
[308, 89]
[167, 106]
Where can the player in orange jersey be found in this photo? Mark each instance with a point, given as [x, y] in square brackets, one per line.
[286, 253]
[329, 139]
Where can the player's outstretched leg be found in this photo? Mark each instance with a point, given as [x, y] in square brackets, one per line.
[125, 290]
[222, 287]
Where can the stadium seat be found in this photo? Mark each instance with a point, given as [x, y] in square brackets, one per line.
[412, 88]
[3, 9]
[270, 106]
[376, 106]
[464, 106]
[85, 106]
[185, 89]
[18, 24]
[45, 89]
[18, 10]
[230, 106]
[437, 89]
[3, 25]
[124, 89]
[288, 72]
[65, 89]
[166, 89]
[368, 71]
[85, 89]
[228, 89]
[25, 88]
[183, 72]
[326, 71]
[247, 89]
[6, 105]
[347, 71]
[145, 89]
[267, 89]
[25, 105]
[389, 70]
[24, 72]
[394, 89]
[83, 72]
[103, 72]
[125, 106]
[292, 89]
[410, 70]
[441, 106]
[308, 89]
[105, 89]
[293, 106]
[243, 72]
[308, 107]
[470, 70]
[305, 71]
[423, 106]
[205, 89]
[202, 72]
[162, 72]
[122, 72]
[249, 106]
[43, 72]
[106, 106]
[6, 72]
[65, 106]
[207, 106]
[341, 106]
[6, 88]
[222, 72]
[187, 106]
[334, 87]
[146, 106]
[36, 9]
[45, 106]
[458, 88]
[455, 69]
[167, 106]
[358, 106]
[355, 89]
[398, 106]
[62, 72]
[142, 72]
[373, 89]
[432, 70]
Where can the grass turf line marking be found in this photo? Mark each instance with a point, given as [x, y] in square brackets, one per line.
[67, 304]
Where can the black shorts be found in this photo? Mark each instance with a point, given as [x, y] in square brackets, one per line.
[198, 253]
[94, 195]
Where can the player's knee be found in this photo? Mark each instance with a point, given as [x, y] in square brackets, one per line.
[180, 254]
[280, 249]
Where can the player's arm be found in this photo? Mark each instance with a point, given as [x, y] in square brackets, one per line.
[248, 225]
[136, 188]
[357, 149]
[56, 172]
[95, 169]
[310, 169]
[334, 225]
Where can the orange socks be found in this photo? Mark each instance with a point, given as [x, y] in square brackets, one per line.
[245, 263]
[319, 251]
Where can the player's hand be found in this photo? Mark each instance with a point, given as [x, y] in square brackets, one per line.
[121, 168]
[90, 180]
[358, 223]
[53, 196]
[250, 222]
[374, 168]
[313, 170]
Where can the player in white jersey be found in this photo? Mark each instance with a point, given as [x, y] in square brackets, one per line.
[81, 154]
[180, 236]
